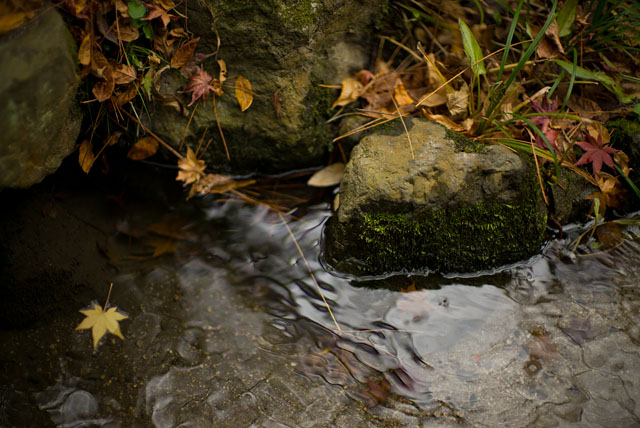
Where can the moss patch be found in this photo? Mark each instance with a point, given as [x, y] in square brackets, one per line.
[465, 144]
[464, 239]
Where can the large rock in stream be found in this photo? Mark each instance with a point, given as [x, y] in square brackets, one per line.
[457, 206]
[39, 115]
[285, 49]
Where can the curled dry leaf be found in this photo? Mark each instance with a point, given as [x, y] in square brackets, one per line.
[458, 101]
[127, 33]
[243, 92]
[84, 53]
[400, 94]
[85, 156]
[351, 91]
[191, 168]
[184, 54]
[223, 70]
[327, 176]
[143, 148]
[120, 98]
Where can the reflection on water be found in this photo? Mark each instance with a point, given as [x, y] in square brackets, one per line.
[233, 332]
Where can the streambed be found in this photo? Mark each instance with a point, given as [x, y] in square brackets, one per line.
[228, 329]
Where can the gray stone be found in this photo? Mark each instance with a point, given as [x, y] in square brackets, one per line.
[457, 206]
[39, 116]
[286, 48]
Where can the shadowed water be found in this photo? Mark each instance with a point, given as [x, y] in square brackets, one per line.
[232, 331]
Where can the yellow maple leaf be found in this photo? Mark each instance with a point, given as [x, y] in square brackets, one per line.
[101, 321]
[191, 168]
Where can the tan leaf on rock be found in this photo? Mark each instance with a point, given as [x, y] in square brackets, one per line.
[85, 156]
[351, 91]
[143, 148]
[191, 168]
[327, 176]
[223, 70]
[243, 92]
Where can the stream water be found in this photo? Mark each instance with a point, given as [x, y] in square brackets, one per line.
[230, 329]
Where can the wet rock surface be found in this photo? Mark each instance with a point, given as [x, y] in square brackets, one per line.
[230, 330]
[433, 200]
[39, 116]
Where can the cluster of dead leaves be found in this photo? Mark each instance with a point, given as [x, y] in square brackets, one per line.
[192, 171]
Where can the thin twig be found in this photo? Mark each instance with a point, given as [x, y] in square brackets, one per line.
[188, 124]
[405, 126]
[224, 142]
[313, 277]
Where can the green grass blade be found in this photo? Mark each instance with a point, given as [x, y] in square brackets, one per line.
[512, 30]
[472, 49]
[600, 77]
[566, 17]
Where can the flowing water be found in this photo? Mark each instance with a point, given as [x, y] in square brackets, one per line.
[231, 330]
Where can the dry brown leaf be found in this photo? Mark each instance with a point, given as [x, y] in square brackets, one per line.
[84, 53]
[276, 102]
[243, 92]
[622, 160]
[351, 91]
[597, 128]
[103, 89]
[163, 246]
[327, 176]
[113, 138]
[143, 148]
[166, 4]
[223, 70]
[127, 33]
[10, 20]
[122, 8]
[100, 67]
[609, 234]
[85, 156]
[158, 12]
[458, 101]
[550, 45]
[400, 94]
[123, 74]
[191, 168]
[436, 99]
[184, 54]
[217, 183]
[444, 121]
[121, 98]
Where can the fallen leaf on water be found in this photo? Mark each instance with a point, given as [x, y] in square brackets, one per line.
[101, 321]
[144, 148]
[243, 92]
[163, 246]
[327, 176]
[171, 229]
[351, 91]
[85, 156]
[609, 234]
[216, 183]
[191, 168]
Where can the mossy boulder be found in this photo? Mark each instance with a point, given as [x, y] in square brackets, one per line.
[285, 49]
[39, 115]
[455, 207]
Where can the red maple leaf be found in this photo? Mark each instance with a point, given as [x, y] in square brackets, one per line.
[543, 122]
[596, 153]
[199, 85]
